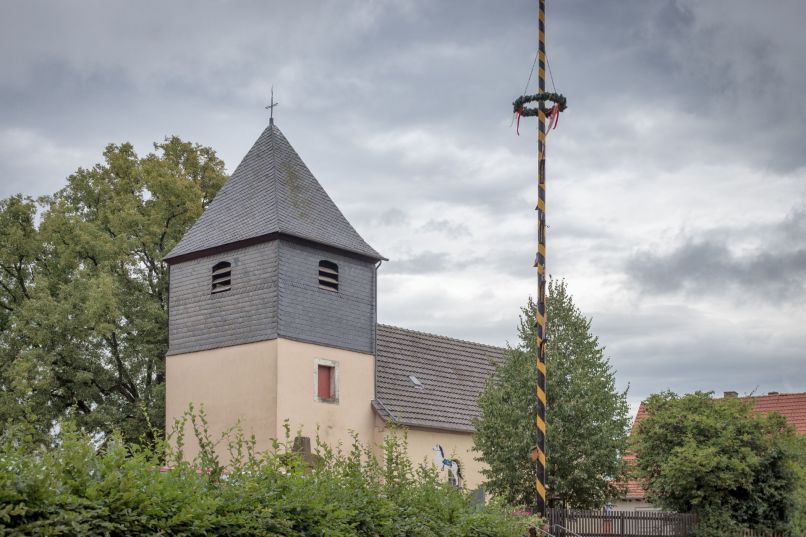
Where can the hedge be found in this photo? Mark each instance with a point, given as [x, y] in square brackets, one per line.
[80, 485]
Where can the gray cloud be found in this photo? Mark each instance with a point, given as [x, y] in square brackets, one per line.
[676, 178]
[709, 267]
[392, 217]
[425, 262]
[716, 262]
[429, 262]
[699, 352]
[448, 228]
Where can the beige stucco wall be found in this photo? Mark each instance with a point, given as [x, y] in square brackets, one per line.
[457, 445]
[262, 384]
[233, 383]
[296, 395]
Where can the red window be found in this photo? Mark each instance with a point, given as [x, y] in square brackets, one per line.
[324, 382]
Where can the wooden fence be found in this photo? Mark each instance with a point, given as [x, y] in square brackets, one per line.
[760, 533]
[576, 523]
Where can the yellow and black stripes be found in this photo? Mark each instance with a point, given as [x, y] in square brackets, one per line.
[540, 262]
[541, 316]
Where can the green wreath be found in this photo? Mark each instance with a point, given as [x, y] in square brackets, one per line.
[556, 98]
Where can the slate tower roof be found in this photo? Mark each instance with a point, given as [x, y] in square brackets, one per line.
[271, 193]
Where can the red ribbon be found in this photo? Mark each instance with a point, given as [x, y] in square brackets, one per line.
[518, 126]
[554, 118]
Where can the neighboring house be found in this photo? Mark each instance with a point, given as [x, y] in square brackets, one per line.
[792, 406]
[273, 301]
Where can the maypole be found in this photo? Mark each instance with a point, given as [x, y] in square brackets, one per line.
[541, 317]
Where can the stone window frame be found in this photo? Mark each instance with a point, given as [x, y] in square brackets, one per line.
[334, 380]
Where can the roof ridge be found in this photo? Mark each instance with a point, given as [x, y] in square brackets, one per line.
[770, 395]
[273, 179]
[642, 403]
[326, 194]
[446, 338]
[273, 172]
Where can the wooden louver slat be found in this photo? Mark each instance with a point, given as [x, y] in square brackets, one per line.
[222, 277]
[328, 275]
[323, 279]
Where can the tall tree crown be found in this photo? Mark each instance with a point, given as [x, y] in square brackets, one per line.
[84, 293]
[587, 417]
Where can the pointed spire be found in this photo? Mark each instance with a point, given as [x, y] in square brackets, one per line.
[271, 192]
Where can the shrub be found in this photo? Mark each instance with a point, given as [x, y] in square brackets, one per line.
[80, 486]
[717, 458]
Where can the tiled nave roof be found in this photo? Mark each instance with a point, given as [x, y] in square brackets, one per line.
[451, 373]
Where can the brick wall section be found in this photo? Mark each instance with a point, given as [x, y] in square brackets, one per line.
[246, 313]
[343, 319]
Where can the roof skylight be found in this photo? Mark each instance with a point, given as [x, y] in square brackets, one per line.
[414, 380]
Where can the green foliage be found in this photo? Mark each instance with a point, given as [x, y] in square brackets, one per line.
[587, 418]
[798, 449]
[719, 459]
[83, 295]
[76, 488]
[519, 105]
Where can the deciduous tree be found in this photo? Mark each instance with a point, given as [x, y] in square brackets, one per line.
[83, 294]
[587, 417]
[719, 459]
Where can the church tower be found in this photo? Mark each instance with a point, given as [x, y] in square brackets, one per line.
[273, 306]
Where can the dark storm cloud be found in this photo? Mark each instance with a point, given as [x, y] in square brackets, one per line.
[721, 73]
[709, 267]
[773, 270]
[707, 354]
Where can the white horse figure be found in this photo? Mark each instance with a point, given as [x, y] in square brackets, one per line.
[450, 464]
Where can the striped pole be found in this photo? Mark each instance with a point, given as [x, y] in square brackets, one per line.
[541, 317]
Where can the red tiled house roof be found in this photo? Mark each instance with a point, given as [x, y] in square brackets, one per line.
[792, 406]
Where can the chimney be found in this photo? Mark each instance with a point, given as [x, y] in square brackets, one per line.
[772, 393]
[730, 394]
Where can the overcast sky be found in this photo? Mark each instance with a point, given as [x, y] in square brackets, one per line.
[676, 178]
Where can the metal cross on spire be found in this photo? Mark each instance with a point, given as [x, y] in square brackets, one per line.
[270, 107]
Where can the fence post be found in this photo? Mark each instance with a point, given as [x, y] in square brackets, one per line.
[623, 529]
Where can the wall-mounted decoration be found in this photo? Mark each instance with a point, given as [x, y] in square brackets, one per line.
[454, 470]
